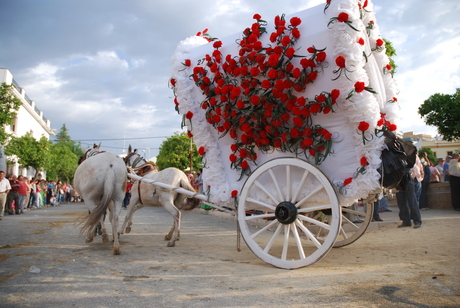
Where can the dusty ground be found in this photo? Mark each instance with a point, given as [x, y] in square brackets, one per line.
[387, 267]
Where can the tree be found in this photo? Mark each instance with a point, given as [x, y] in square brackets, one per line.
[9, 104]
[443, 111]
[29, 151]
[175, 152]
[390, 52]
[430, 154]
[63, 137]
[61, 163]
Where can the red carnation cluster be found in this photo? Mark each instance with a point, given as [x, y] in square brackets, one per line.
[256, 96]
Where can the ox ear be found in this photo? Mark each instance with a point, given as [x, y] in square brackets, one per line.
[135, 151]
[99, 146]
[130, 149]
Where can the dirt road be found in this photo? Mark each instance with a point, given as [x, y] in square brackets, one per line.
[387, 267]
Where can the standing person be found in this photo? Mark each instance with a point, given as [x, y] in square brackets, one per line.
[454, 174]
[32, 196]
[22, 193]
[59, 192]
[425, 182]
[43, 189]
[127, 198]
[435, 174]
[440, 167]
[445, 168]
[199, 181]
[49, 193]
[407, 200]
[4, 190]
[68, 189]
[13, 196]
[38, 194]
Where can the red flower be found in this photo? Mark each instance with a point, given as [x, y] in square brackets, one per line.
[188, 62]
[290, 52]
[312, 152]
[189, 115]
[295, 33]
[254, 99]
[340, 61]
[315, 108]
[240, 104]
[342, 17]
[395, 99]
[173, 82]
[285, 41]
[392, 127]
[311, 49]
[347, 181]
[379, 42]
[273, 59]
[234, 193]
[243, 153]
[176, 102]
[335, 94]
[257, 17]
[389, 67]
[363, 161]
[320, 98]
[217, 44]
[298, 121]
[296, 73]
[361, 41]
[189, 134]
[295, 21]
[363, 126]
[232, 158]
[312, 75]
[201, 151]
[254, 71]
[266, 84]
[244, 164]
[307, 142]
[321, 56]
[359, 86]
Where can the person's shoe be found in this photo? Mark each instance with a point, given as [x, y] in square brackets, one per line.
[416, 226]
[377, 219]
[403, 225]
[381, 211]
[17, 213]
[358, 221]
[387, 210]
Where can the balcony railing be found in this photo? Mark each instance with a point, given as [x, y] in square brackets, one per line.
[28, 100]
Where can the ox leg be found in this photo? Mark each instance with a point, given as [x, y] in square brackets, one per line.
[132, 208]
[114, 221]
[173, 234]
[105, 236]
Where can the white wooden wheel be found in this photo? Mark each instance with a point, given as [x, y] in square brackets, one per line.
[355, 221]
[280, 212]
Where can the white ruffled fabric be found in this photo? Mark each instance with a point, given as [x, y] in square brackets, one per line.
[363, 106]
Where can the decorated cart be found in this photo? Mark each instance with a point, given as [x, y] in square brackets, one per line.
[288, 116]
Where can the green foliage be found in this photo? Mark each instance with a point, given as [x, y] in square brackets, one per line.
[63, 138]
[61, 163]
[390, 52]
[29, 151]
[430, 154]
[175, 152]
[443, 111]
[9, 104]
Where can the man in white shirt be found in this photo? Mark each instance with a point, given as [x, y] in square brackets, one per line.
[4, 189]
[454, 178]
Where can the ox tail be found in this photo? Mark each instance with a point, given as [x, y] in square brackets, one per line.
[191, 202]
[90, 221]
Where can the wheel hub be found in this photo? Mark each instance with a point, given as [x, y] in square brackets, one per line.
[286, 212]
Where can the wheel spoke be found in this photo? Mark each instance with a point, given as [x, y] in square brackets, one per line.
[319, 188]
[308, 234]
[315, 222]
[266, 191]
[285, 242]
[254, 235]
[301, 186]
[344, 209]
[288, 182]
[280, 195]
[272, 240]
[314, 208]
[343, 233]
[349, 221]
[268, 206]
[259, 216]
[297, 240]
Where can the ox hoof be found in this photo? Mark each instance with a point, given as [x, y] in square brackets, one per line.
[128, 229]
[116, 251]
[171, 244]
[105, 238]
[89, 240]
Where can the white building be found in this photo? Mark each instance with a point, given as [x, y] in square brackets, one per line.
[29, 119]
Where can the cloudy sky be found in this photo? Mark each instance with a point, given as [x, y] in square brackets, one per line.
[102, 66]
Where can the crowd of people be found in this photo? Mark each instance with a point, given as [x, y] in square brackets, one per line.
[19, 194]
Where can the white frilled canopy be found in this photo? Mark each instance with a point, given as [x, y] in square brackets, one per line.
[355, 64]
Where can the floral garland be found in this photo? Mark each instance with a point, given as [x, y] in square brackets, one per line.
[252, 97]
[353, 29]
[348, 21]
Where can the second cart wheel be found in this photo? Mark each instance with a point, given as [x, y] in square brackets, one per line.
[355, 221]
[280, 213]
